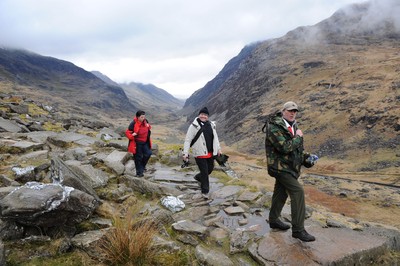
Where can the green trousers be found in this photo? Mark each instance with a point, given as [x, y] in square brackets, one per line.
[286, 185]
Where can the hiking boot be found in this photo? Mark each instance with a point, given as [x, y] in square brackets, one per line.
[139, 175]
[303, 236]
[278, 224]
[205, 196]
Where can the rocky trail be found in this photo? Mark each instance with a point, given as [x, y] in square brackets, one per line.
[53, 182]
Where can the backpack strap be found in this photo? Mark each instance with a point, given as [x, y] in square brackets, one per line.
[197, 136]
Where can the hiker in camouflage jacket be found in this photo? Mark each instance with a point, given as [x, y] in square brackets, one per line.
[285, 156]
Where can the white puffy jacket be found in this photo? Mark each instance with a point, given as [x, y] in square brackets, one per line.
[199, 148]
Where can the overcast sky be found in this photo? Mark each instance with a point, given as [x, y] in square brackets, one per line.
[177, 45]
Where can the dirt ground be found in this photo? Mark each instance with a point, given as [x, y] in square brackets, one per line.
[348, 197]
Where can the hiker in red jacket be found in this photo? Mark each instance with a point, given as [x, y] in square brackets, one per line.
[139, 145]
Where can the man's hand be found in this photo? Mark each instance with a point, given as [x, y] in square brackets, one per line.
[299, 133]
[185, 157]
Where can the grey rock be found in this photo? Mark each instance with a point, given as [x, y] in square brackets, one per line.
[35, 127]
[239, 240]
[330, 248]
[25, 174]
[9, 230]
[92, 176]
[193, 213]
[7, 182]
[163, 245]
[226, 192]
[146, 187]
[35, 155]
[130, 168]
[249, 196]
[40, 136]
[333, 223]
[89, 241]
[9, 126]
[49, 205]
[116, 161]
[188, 239]
[212, 257]
[78, 154]
[19, 108]
[189, 227]
[24, 146]
[65, 175]
[234, 210]
[66, 138]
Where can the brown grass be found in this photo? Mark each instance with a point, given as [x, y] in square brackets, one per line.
[332, 203]
[128, 243]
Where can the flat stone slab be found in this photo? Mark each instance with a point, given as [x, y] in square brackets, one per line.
[9, 126]
[27, 145]
[165, 174]
[234, 210]
[189, 227]
[226, 192]
[333, 246]
[249, 196]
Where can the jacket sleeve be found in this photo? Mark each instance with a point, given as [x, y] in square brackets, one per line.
[129, 131]
[281, 142]
[188, 139]
[216, 140]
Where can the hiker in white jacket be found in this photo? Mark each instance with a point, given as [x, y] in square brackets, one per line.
[203, 139]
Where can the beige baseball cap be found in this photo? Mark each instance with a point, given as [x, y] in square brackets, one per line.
[290, 106]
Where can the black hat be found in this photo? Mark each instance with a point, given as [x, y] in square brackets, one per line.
[204, 110]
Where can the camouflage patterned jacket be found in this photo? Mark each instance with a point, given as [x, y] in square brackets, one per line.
[285, 153]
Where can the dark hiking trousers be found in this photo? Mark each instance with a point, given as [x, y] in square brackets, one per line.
[206, 166]
[286, 185]
[142, 156]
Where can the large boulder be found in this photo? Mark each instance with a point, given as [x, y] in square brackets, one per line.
[47, 205]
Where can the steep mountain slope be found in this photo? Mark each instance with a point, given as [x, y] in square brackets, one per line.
[201, 97]
[60, 84]
[344, 74]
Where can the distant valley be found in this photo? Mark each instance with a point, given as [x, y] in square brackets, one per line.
[343, 73]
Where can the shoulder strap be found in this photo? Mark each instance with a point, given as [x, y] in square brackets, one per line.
[197, 136]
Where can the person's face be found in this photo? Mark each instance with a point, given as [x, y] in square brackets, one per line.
[203, 117]
[142, 118]
[289, 115]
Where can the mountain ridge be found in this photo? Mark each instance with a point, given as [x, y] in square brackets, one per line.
[156, 101]
[72, 89]
[345, 79]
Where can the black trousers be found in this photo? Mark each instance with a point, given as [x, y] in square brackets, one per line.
[142, 156]
[206, 166]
